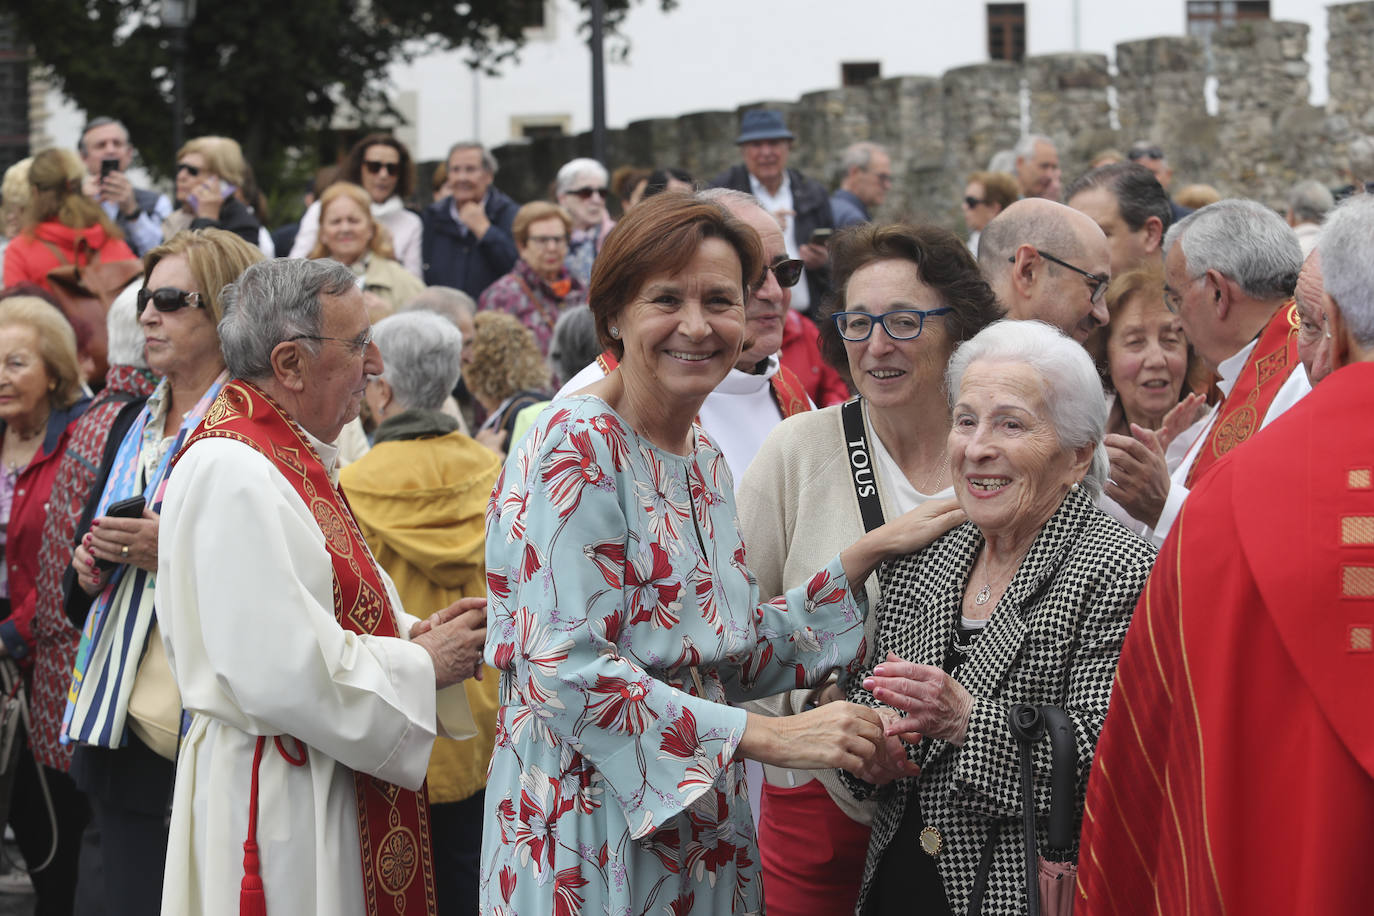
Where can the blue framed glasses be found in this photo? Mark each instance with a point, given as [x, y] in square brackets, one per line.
[900, 324]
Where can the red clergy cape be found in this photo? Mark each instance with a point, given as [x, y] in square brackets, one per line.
[393, 823]
[1235, 770]
[1270, 363]
[789, 394]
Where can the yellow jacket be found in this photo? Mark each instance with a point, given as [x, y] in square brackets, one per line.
[421, 504]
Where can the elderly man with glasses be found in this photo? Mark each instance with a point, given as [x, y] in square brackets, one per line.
[314, 697]
[1048, 262]
[867, 171]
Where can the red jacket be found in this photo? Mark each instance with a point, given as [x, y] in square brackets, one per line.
[801, 352]
[24, 530]
[28, 260]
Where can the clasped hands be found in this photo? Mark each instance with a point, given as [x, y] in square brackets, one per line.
[934, 704]
[454, 637]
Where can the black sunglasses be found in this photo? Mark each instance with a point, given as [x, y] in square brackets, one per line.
[1096, 282]
[375, 168]
[787, 272]
[1145, 152]
[586, 193]
[167, 299]
[972, 202]
[193, 171]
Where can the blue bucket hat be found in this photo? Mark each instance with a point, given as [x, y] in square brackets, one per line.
[762, 124]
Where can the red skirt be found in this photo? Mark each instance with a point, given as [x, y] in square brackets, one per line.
[811, 853]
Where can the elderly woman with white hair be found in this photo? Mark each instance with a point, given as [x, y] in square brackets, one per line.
[1027, 602]
[581, 189]
[419, 497]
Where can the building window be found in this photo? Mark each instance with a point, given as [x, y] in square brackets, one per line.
[858, 73]
[1206, 16]
[531, 13]
[537, 127]
[1007, 31]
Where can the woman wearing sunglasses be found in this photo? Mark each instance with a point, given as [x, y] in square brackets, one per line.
[581, 190]
[382, 166]
[211, 172]
[352, 236]
[123, 764]
[907, 296]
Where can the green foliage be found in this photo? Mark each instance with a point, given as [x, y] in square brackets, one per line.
[269, 73]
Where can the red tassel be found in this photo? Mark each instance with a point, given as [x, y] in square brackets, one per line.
[252, 901]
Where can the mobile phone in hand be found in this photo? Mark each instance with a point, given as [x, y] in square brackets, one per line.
[821, 236]
[107, 166]
[125, 508]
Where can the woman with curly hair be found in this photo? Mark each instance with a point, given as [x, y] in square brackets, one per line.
[506, 373]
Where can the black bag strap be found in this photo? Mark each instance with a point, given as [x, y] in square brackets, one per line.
[861, 464]
[980, 877]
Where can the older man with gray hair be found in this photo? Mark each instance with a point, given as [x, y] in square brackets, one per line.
[1308, 202]
[1229, 274]
[866, 177]
[1037, 167]
[314, 697]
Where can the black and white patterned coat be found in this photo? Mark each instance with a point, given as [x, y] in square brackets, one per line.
[1054, 638]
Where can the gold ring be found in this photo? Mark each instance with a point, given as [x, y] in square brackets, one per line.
[124, 551]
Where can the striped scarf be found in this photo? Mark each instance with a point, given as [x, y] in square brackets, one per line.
[116, 630]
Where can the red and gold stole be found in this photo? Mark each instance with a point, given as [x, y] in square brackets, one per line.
[789, 394]
[1275, 356]
[393, 823]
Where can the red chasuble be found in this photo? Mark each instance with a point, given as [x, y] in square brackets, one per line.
[789, 394]
[1271, 362]
[1235, 770]
[393, 823]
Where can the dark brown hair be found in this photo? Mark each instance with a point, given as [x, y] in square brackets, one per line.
[352, 168]
[943, 263]
[660, 236]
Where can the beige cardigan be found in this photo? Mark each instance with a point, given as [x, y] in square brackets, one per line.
[797, 510]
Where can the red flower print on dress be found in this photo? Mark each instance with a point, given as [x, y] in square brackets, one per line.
[566, 901]
[682, 904]
[652, 588]
[622, 706]
[609, 559]
[614, 435]
[821, 590]
[666, 516]
[498, 586]
[711, 846]
[508, 882]
[569, 467]
[680, 737]
[536, 838]
[531, 562]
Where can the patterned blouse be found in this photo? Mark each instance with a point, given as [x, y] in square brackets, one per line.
[530, 298]
[624, 623]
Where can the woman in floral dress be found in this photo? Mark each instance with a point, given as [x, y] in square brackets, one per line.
[624, 620]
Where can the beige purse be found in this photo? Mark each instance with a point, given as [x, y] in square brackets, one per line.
[155, 702]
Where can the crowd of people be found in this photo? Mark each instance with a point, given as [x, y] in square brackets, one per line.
[699, 554]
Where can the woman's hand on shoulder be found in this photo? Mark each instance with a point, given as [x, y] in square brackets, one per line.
[917, 529]
[935, 703]
[837, 735]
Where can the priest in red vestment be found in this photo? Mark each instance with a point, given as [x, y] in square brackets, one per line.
[1235, 770]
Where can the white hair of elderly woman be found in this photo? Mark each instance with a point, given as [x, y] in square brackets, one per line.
[126, 344]
[421, 357]
[575, 169]
[1069, 382]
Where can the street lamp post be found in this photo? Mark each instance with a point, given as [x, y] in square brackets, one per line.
[598, 82]
[177, 16]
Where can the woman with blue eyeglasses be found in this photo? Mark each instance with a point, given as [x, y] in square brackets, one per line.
[908, 295]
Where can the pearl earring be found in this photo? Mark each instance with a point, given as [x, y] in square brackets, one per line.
[615, 332]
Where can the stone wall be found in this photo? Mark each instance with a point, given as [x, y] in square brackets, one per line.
[1263, 138]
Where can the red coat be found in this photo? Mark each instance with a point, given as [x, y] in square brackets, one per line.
[24, 530]
[1235, 770]
[801, 352]
[28, 260]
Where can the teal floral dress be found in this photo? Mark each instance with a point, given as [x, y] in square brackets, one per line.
[624, 621]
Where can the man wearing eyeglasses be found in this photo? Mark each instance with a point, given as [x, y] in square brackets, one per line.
[105, 149]
[581, 189]
[867, 170]
[315, 698]
[1050, 263]
[466, 241]
[799, 204]
[1229, 273]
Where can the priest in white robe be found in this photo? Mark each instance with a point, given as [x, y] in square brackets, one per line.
[313, 698]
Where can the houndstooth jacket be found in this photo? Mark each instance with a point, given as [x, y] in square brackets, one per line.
[1054, 638]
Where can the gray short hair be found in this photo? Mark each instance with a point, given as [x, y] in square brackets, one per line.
[1244, 241]
[573, 169]
[488, 160]
[1310, 200]
[1361, 153]
[1347, 271]
[1004, 160]
[92, 124]
[443, 300]
[1019, 225]
[126, 344]
[574, 344]
[1069, 381]
[1025, 147]
[273, 301]
[421, 354]
[730, 199]
[859, 155]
